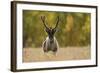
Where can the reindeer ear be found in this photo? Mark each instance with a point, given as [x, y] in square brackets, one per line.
[57, 30]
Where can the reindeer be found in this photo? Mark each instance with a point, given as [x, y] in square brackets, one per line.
[50, 44]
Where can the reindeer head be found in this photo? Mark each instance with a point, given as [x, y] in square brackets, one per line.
[50, 31]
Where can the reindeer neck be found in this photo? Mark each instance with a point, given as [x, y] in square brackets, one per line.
[49, 39]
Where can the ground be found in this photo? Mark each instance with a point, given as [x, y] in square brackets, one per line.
[68, 53]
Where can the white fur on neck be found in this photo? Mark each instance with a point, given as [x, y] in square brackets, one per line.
[48, 42]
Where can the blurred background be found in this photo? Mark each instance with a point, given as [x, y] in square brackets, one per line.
[74, 28]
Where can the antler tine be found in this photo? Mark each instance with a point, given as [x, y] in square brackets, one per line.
[43, 20]
[57, 22]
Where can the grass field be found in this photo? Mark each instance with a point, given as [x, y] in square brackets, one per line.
[68, 53]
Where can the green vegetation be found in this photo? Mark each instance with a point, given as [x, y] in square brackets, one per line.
[73, 30]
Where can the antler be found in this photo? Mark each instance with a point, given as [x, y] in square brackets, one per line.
[43, 20]
[57, 22]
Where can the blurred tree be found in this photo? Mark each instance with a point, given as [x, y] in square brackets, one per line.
[73, 30]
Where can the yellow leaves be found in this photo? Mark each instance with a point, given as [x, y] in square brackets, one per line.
[73, 28]
[70, 19]
[34, 13]
[70, 23]
[86, 27]
[50, 18]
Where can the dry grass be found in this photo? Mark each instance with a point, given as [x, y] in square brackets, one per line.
[68, 53]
